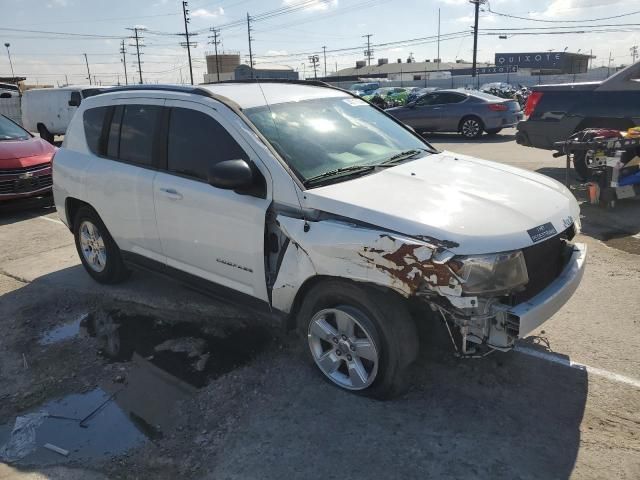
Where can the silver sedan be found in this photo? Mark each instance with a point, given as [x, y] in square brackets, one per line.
[469, 112]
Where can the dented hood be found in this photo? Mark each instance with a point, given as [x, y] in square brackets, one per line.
[467, 205]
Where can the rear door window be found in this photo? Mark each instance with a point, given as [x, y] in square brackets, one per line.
[137, 132]
[93, 120]
[196, 142]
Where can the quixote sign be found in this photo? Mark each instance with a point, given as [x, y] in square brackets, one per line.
[532, 60]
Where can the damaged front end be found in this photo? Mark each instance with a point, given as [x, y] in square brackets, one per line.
[492, 299]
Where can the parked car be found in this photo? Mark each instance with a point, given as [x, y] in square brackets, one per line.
[308, 203]
[25, 162]
[391, 96]
[48, 111]
[556, 112]
[364, 88]
[467, 112]
[416, 93]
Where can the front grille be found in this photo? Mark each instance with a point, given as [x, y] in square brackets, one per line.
[21, 170]
[545, 262]
[17, 186]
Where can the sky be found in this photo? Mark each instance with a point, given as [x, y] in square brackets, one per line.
[97, 27]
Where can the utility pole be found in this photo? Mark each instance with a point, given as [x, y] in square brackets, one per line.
[314, 59]
[10, 62]
[634, 52]
[215, 42]
[609, 65]
[250, 39]
[185, 14]
[88, 72]
[136, 31]
[368, 53]
[123, 51]
[324, 51]
[66, 80]
[474, 70]
[438, 39]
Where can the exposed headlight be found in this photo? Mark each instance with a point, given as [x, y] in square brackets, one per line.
[492, 274]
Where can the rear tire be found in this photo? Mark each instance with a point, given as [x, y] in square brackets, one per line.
[471, 127]
[362, 339]
[580, 165]
[98, 251]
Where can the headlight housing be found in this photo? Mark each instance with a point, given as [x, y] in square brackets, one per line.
[492, 274]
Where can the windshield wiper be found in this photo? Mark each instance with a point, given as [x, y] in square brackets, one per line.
[353, 169]
[402, 156]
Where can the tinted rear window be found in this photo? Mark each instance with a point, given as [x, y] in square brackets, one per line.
[93, 120]
[136, 134]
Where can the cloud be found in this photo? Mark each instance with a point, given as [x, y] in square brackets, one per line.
[204, 13]
[312, 4]
[563, 7]
[277, 52]
[57, 4]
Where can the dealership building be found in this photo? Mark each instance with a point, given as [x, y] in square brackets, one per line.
[544, 63]
[528, 63]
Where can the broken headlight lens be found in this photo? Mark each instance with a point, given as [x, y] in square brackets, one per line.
[492, 274]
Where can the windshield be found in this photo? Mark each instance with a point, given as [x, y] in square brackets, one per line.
[11, 131]
[323, 135]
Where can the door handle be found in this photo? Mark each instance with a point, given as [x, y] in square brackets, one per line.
[171, 193]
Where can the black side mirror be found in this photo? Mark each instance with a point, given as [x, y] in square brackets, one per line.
[75, 99]
[231, 175]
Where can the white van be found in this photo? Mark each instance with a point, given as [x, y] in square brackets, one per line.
[48, 111]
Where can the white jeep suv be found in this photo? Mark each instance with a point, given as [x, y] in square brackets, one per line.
[307, 201]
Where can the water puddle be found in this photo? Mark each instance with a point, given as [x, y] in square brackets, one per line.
[155, 365]
[62, 332]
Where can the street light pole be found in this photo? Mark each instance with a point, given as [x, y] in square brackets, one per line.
[10, 62]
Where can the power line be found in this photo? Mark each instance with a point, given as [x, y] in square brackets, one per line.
[561, 21]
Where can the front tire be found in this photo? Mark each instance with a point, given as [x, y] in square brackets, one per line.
[98, 251]
[362, 340]
[471, 127]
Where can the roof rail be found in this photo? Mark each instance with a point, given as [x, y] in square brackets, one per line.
[158, 87]
[313, 83]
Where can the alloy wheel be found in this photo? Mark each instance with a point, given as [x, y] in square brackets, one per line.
[92, 246]
[342, 347]
[470, 128]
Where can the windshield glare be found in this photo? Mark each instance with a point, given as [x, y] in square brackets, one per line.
[322, 135]
[11, 131]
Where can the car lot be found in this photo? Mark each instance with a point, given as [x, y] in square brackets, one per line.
[523, 414]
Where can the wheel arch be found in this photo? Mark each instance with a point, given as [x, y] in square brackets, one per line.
[316, 280]
[71, 206]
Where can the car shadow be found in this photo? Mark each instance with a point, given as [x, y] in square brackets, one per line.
[14, 211]
[617, 227]
[454, 138]
[504, 416]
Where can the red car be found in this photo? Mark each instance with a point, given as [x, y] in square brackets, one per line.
[25, 162]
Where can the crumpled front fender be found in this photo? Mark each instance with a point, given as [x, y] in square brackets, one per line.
[341, 249]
